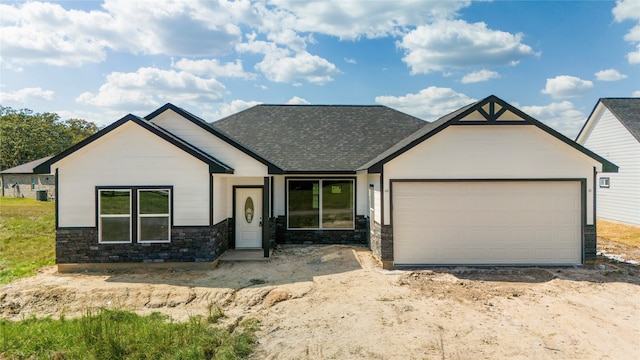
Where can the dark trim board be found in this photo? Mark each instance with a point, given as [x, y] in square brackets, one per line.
[57, 199]
[273, 169]
[583, 206]
[215, 166]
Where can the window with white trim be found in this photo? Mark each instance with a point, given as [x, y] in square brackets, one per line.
[114, 216]
[154, 215]
[605, 182]
[320, 204]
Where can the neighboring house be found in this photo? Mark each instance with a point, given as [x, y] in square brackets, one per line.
[613, 130]
[484, 185]
[21, 181]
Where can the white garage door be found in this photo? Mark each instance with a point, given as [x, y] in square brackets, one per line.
[487, 222]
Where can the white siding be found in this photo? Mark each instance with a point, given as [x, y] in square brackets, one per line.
[610, 139]
[242, 164]
[279, 195]
[131, 156]
[374, 179]
[491, 152]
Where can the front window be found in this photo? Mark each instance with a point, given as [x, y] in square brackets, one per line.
[114, 216]
[154, 215]
[320, 204]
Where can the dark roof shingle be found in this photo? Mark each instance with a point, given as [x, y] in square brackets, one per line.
[627, 110]
[26, 168]
[319, 138]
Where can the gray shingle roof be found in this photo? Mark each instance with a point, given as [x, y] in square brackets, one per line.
[319, 138]
[25, 168]
[627, 110]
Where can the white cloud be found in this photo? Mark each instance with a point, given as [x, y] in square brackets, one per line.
[636, 93]
[150, 87]
[630, 10]
[311, 68]
[478, 76]
[561, 116]
[24, 95]
[350, 61]
[213, 68]
[565, 86]
[44, 32]
[298, 101]
[231, 108]
[634, 56]
[429, 104]
[350, 20]
[38, 32]
[458, 44]
[610, 75]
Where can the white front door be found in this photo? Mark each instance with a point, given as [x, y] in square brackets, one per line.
[248, 218]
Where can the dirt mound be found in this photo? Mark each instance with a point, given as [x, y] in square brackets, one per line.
[317, 302]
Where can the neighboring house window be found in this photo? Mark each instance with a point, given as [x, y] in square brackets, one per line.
[33, 183]
[320, 204]
[154, 217]
[604, 182]
[114, 216]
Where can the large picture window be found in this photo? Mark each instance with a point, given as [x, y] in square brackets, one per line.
[153, 215]
[320, 203]
[114, 216]
[148, 210]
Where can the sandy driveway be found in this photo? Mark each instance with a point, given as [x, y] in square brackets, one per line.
[335, 302]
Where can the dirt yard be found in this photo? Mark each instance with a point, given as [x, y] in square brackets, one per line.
[335, 302]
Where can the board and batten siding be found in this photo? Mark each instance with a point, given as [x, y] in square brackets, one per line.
[611, 140]
[374, 179]
[131, 156]
[241, 163]
[491, 152]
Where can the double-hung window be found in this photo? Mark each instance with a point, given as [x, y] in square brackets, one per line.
[154, 216]
[121, 210]
[320, 203]
[114, 220]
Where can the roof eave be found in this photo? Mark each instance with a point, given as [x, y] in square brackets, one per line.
[271, 168]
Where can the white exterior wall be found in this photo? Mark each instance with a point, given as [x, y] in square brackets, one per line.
[611, 140]
[131, 156]
[374, 179]
[278, 195]
[242, 164]
[491, 152]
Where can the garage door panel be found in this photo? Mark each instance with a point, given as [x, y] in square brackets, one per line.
[524, 222]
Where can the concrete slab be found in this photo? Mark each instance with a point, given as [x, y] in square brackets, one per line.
[243, 255]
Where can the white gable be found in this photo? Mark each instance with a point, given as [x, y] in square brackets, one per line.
[243, 164]
[607, 137]
[492, 152]
[131, 156]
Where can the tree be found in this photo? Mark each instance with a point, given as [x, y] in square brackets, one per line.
[26, 136]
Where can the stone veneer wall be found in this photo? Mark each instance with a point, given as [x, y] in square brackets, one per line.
[590, 238]
[386, 246]
[375, 240]
[358, 236]
[188, 244]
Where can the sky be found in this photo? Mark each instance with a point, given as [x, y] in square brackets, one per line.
[101, 60]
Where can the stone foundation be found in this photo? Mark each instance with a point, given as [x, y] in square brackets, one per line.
[590, 238]
[358, 236]
[188, 244]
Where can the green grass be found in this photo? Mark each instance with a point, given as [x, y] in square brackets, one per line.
[27, 237]
[116, 334]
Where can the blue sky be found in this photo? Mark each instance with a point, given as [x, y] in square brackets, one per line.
[100, 60]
